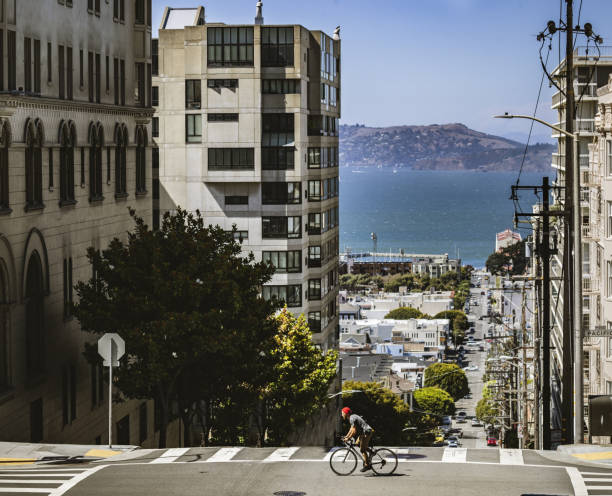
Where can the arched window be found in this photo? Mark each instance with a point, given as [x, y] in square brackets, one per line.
[141, 160]
[4, 329]
[33, 162]
[121, 142]
[34, 317]
[67, 141]
[5, 141]
[96, 143]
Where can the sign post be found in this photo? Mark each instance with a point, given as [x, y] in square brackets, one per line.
[111, 347]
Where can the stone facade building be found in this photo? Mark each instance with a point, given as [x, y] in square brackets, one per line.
[75, 153]
[247, 123]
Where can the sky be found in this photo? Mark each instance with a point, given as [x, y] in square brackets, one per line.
[421, 62]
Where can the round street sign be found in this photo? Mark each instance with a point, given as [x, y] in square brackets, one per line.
[111, 347]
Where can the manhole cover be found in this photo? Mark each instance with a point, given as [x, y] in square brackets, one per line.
[289, 493]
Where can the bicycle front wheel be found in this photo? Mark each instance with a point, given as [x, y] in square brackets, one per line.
[384, 461]
[343, 461]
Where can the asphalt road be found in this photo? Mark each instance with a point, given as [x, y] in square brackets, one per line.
[305, 471]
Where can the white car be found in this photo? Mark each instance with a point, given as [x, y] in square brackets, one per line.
[472, 368]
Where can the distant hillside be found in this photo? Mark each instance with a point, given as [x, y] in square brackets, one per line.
[437, 147]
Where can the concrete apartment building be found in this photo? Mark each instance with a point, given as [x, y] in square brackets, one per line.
[247, 129]
[75, 152]
[590, 73]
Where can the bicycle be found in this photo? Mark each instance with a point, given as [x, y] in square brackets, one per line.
[344, 460]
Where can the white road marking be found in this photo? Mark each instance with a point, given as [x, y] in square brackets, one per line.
[597, 473]
[171, 455]
[224, 455]
[596, 479]
[511, 457]
[454, 455]
[330, 453]
[64, 474]
[281, 454]
[38, 470]
[66, 486]
[578, 484]
[37, 481]
[29, 490]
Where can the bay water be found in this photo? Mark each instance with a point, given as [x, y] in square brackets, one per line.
[452, 212]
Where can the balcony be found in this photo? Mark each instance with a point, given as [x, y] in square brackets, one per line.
[558, 160]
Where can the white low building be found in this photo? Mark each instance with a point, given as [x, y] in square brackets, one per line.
[430, 303]
[431, 333]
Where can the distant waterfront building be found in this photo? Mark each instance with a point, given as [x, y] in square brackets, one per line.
[398, 263]
[75, 153]
[506, 238]
[247, 129]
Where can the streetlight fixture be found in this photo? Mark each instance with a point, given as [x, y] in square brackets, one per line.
[578, 390]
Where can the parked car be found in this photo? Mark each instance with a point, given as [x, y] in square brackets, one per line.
[476, 423]
[453, 444]
[461, 420]
[446, 420]
[461, 414]
[491, 441]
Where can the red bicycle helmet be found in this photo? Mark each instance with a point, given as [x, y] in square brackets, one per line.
[346, 410]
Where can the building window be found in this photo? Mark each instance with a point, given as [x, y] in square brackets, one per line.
[141, 160]
[61, 71]
[4, 175]
[277, 47]
[140, 12]
[68, 300]
[12, 59]
[67, 142]
[121, 142]
[609, 156]
[33, 164]
[277, 129]
[314, 190]
[229, 47]
[314, 256]
[223, 83]
[27, 63]
[281, 227]
[97, 76]
[96, 143]
[155, 96]
[314, 321]
[237, 200]
[155, 57]
[222, 117]
[314, 223]
[231, 158]
[314, 289]
[284, 261]
[81, 69]
[193, 93]
[291, 295]
[314, 158]
[97, 385]
[281, 86]
[34, 317]
[281, 193]
[69, 84]
[155, 127]
[49, 63]
[278, 158]
[139, 86]
[107, 73]
[240, 236]
[122, 77]
[193, 128]
[116, 80]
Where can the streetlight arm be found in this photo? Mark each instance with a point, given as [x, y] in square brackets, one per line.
[531, 118]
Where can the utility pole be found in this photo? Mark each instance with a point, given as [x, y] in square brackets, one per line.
[544, 252]
[524, 385]
[536, 344]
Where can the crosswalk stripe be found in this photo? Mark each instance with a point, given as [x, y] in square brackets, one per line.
[281, 454]
[511, 456]
[224, 455]
[597, 479]
[25, 490]
[597, 473]
[38, 481]
[64, 474]
[171, 455]
[454, 455]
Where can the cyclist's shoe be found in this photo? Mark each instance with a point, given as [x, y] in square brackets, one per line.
[366, 468]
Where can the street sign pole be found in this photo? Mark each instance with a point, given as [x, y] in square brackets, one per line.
[110, 395]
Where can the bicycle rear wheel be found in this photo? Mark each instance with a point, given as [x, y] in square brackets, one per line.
[343, 461]
[384, 461]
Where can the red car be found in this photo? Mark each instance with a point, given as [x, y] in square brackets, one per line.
[491, 441]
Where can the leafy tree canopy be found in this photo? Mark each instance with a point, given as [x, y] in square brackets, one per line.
[435, 402]
[404, 313]
[449, 377]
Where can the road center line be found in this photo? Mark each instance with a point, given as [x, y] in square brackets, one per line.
[170, 455]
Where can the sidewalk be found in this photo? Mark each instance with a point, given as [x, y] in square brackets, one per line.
[12, 454]
[588, 452]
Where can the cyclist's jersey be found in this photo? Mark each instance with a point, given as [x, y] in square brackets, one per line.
[360, 425]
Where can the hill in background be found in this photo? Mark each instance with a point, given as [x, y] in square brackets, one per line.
[438, 147]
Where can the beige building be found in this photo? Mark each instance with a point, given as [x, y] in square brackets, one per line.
[75, 110]
[247, 129]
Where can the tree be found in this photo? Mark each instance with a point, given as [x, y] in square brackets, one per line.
[435, 402]
[496, 263]
[458, 324]
[187, 304]
[511, 259]
[449, 377]
[404, 313]
[384, 411]
[298, 381]
[486, 410]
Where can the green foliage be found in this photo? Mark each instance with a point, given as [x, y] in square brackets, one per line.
[384, 411]
[435, 402]
[449, 377]
[458, 323]
[487, 410]
[356, 281]
[511, 260]
[404, 313]
[299, 379]
[462, 293]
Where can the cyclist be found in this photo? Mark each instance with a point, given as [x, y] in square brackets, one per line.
[362, 432]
